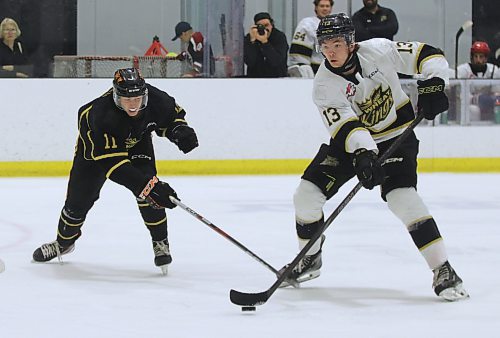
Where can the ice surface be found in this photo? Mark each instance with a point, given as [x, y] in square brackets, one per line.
[374, 283]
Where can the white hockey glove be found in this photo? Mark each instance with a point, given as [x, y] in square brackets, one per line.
[304, 71]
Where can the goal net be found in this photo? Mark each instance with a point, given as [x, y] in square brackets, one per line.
[73, 66]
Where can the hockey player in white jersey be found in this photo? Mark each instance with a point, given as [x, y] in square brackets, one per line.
[362, 104]
[303, 58]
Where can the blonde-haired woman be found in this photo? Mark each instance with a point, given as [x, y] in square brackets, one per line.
[13, 61]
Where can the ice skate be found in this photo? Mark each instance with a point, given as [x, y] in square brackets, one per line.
[447, 284]
[308, 268]
[162, 255]
[49, 251]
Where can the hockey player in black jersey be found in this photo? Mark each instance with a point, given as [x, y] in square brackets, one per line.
[115, 142]
[361, 102]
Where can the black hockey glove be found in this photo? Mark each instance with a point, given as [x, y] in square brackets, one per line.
[370, 173]
[432, 99]
[157, 194]
[184, 137]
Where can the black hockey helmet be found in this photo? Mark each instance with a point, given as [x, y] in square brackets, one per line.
[128, 82]
[334, 26]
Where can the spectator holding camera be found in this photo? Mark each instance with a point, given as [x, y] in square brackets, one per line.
[265, 49]
[13, 61]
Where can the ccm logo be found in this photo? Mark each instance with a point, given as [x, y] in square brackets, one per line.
[431, 89]
[393, 160]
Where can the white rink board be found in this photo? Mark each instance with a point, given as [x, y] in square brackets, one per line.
[234, 119]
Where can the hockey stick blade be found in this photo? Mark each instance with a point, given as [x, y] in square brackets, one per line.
[253, 299]
[248, 299]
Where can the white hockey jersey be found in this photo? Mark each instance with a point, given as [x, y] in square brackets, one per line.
[372, 107]
[304, 41]
[465, 72]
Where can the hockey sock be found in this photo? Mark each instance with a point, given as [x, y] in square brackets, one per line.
[305, 232]
[427, 238]
[69, 227]
[155, 220]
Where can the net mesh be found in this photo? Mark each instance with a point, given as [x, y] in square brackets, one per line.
[105, 66]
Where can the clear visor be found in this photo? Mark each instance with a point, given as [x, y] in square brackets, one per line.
[336, 41]
[118, 102]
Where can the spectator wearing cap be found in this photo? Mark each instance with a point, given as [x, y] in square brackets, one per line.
[265, 49]
[194, 52]
[374, 21]
[478, 67]
[13, 60]
[483, 101]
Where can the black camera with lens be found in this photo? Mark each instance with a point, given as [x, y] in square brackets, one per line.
[261, 29]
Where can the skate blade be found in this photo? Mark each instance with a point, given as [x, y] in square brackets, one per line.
[164, 269]
[454, 294]
[301, 279]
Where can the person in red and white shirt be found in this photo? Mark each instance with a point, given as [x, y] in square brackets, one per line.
[194, 52]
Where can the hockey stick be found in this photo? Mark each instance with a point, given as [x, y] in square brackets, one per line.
[466, 25]
[252, 299]
[226, 236]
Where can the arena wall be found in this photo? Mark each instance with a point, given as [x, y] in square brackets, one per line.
[245, 126]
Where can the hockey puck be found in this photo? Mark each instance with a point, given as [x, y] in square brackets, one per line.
[248, 308]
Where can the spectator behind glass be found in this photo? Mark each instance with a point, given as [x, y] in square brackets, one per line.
[304, 59]
[13, 61]
[483, 104]
[374, 21]
[478, 67]
[265, 49]
[194, 52]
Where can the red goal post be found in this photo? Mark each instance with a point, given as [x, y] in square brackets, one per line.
[76, 66]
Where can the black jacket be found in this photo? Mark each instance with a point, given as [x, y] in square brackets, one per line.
[382, 24]
[15, 57]
[267, 60]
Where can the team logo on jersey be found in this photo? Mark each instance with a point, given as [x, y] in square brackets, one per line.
[350, 90]
[330, 161]
[131, 141]
[376, 107]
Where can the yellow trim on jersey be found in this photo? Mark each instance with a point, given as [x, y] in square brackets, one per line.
[350, 134]
[84, 113]
[419, 50]
[302, 55]
[113, 168]
[428, 58]
[402, 104]
[110, 155]
[341, 125]
[303, 45]
[380, 135]
[156, 223]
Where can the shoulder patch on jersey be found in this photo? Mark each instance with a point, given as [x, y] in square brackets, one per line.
[350, 90]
